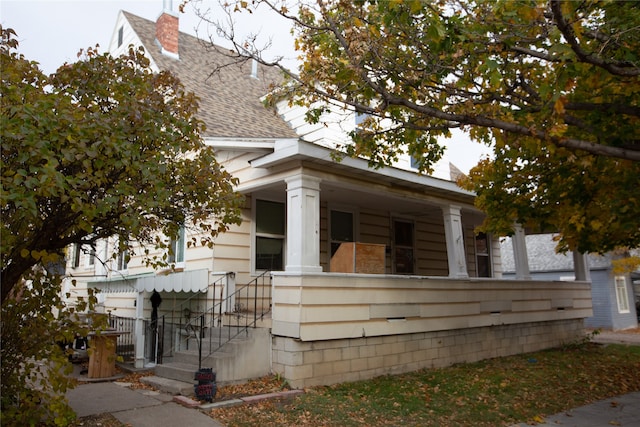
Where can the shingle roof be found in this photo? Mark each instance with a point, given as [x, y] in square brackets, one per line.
[543, 257]
[230, 103]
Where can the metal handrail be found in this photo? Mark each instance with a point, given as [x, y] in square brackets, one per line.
[198, 325]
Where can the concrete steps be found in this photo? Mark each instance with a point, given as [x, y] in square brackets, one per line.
[242, 358]
[170, 386]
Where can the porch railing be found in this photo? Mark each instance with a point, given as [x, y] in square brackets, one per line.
[125, 341]
[227, 314]
[231, 316]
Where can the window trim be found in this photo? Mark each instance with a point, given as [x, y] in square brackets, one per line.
[91, 257]
[622, 294]
[355, 221]
[478, 255]
[181, 241]
[75, 255]
[120, 35]
[122, 264]
[394, 245]
[254, 234]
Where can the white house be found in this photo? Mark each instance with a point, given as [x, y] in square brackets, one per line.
[363, 272]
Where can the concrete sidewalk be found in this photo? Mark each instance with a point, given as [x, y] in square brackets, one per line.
[617, 411]
[619, 337]
[137, 408]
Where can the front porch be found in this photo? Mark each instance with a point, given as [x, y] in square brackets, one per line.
[331, 327]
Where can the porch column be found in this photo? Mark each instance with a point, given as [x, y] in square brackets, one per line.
[455, 242]
[303, 224]
[581, 266]
[139, 331]
[520, 258]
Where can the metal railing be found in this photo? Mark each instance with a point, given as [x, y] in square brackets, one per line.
[231, 316]
[224, 318]
[125, 341]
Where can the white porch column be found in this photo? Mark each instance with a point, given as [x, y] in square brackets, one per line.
[230, 289]
[455, 242]
[139, 331]
[581, 266]
[520, 258]
[303, 224]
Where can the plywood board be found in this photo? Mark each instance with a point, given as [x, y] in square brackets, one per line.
[365, 258]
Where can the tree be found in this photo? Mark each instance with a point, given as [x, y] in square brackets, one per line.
[553, 85]
[36, 328]
[104, 147]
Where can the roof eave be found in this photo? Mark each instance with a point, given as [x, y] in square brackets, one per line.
[242, 144]
[286, 150]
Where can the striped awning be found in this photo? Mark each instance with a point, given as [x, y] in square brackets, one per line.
[183, 281]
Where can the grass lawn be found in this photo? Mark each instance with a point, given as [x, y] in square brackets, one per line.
[495, 392]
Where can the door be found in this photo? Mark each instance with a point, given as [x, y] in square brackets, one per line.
[403, 246]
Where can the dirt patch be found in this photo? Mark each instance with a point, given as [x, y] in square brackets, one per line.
[100, 420]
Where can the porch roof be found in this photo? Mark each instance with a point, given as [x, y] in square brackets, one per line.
[184, 281]
[287, 150]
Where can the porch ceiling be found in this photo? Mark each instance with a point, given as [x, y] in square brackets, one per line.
[352, 182]
[371, 198]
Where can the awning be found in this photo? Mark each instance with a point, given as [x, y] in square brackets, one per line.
[184, 281]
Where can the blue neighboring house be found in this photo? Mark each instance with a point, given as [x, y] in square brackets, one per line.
[613, 297]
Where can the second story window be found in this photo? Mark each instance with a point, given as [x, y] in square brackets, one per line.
[92, 257]
[75, 255]
[120, 36]
[177, 247]
[122, 260]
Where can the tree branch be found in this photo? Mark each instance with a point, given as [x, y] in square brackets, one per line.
[618, 68]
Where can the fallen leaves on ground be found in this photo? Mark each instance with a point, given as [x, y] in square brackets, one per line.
[134, 378]
[501, 391]
[100, 420]
[264, 385]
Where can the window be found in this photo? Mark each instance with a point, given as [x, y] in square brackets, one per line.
[176, 247]
[415, 162]
[270, 235]
[403, 247]
[622, 295]
[483, 258]
[92, 257]
[75, 255]
[122, 260]
[120, 36]
[341, 224]
[360, 119]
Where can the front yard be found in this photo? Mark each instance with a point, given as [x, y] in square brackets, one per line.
[494, 392]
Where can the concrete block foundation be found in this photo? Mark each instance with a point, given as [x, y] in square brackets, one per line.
[305, 364]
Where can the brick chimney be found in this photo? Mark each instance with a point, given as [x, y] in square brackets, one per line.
[167, 30]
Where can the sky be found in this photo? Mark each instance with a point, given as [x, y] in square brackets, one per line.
[52, 32]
